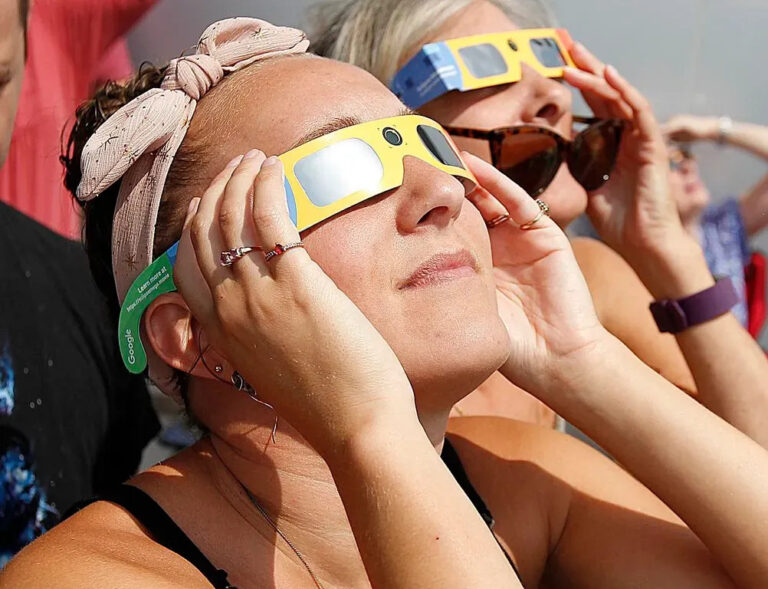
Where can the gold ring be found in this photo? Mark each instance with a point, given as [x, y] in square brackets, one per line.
[496, 221]
[543, 210]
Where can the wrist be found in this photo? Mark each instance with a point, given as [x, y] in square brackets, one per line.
[724, 129]
[574, 379]
[347, 446]
[546, 376]
[677, 270]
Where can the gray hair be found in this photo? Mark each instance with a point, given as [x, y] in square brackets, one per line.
[377, 35]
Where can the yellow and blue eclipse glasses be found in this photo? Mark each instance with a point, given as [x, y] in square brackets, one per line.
[323, 177]
[481, 61]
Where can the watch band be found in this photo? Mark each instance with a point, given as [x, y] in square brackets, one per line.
[676, 315]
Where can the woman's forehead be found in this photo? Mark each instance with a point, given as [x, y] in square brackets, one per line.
[290, 99]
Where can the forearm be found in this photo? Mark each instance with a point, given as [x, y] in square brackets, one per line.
[754, 207]
[750, 137]
[728, 366]
[712, 476]
[413, 524]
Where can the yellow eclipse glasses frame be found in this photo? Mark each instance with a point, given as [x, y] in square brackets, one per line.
[387, 140]
[481, 61]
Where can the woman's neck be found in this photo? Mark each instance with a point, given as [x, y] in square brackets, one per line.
[294, 486]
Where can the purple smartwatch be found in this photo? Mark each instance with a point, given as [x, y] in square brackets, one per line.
[676, 315]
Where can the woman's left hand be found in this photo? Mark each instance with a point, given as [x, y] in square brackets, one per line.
[633, 211]
[542, 296]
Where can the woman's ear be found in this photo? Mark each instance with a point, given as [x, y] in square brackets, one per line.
[170, 329]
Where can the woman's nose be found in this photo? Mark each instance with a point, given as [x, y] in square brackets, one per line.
[547, 100]
[430, 197]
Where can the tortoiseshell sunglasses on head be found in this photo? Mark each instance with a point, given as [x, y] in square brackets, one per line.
[531, 155]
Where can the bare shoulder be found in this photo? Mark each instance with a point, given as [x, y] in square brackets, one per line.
[557, 466]
[514, 442]
[101, 546]
[609, 277]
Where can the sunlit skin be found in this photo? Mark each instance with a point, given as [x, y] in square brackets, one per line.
[547, 102]
[558, 505]
[11, 70]
[371, 250]
[533, 100]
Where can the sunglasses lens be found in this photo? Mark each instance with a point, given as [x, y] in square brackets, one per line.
[547, 52]
[339, 170]
[593, 154]
[483, 61]
[530, 160]
[436, 142]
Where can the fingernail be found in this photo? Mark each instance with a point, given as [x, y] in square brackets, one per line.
[270, 161]
[235, 161]
[191, 210]
[252, 154]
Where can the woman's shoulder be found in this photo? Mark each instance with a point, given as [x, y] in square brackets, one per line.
[603, 267]
[554, 465]
[527, 465]
[100, 546]
[511, 441]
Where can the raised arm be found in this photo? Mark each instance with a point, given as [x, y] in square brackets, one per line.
[747, 136]
[707, 472]
[636, 216]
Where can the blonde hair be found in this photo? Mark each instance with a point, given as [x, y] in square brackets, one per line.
[377, 35]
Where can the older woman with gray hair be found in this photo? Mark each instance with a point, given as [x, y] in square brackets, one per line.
[520, 120]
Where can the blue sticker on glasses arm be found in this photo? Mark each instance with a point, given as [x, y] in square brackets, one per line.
[156, 279]
[432, 72]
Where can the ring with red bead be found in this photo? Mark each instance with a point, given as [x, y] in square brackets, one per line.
[280, 249]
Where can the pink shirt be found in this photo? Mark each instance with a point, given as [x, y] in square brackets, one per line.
[71, 45]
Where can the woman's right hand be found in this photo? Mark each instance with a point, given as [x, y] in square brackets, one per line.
[284, 325]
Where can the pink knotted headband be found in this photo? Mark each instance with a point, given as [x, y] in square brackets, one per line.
[138, 143]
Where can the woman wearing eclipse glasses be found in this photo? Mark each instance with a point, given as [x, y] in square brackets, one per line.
[490, 72]
[353, 281]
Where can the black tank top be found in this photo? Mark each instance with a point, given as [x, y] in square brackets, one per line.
[166, 533]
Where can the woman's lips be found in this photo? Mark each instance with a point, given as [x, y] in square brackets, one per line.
[442, 268]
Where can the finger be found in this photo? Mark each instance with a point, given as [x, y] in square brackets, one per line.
[235, 201]
[488, 205]
[585, 60]
[272, 222]
[516, 201]
[604, 100]
[203, 230]
[191, 210]
[643, 114]
[234, 216]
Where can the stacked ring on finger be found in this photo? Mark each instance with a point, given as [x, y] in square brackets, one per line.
[496, 221]
[280, 249]
[229, 257]
[543, 210]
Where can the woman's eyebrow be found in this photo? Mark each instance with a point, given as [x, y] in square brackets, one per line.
[333, 125]
[339, 123]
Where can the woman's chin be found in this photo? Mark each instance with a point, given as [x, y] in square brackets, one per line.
[444, 374]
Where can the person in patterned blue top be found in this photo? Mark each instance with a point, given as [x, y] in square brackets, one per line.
[723, 228]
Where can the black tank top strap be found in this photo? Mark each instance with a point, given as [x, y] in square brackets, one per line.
[165, 531]
[452, 461]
